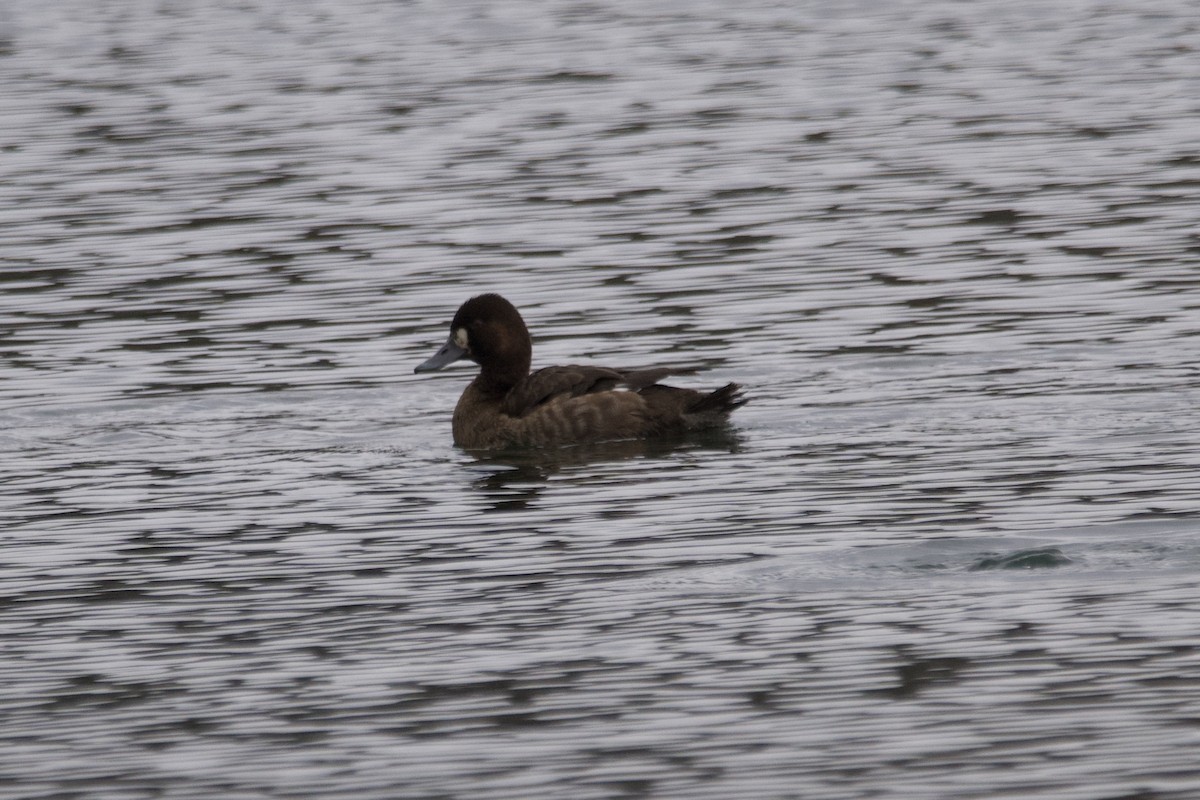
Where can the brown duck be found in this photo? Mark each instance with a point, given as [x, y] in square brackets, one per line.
[508, 406]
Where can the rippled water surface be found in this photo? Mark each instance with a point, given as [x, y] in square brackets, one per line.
[949, 550]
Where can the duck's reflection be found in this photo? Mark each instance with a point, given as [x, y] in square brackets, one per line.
[511, 480]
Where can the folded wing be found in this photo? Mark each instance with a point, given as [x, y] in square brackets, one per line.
[551, 383]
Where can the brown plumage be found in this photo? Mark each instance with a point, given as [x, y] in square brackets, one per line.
[506, 405]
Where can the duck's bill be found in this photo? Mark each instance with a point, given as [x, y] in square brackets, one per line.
[449, 353]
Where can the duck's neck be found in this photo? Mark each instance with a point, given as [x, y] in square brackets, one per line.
[500, 381]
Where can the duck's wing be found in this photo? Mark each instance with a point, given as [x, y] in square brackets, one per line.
[638, 379]
[550, 383]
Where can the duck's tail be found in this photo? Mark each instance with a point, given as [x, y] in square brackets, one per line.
[714, 408]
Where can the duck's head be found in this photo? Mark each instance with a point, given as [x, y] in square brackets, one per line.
[489, 331]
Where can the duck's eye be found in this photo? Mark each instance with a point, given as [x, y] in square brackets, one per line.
[460, 337]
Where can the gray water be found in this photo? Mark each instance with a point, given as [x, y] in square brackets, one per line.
[948, 550]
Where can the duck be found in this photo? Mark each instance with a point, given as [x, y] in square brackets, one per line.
[508, 406]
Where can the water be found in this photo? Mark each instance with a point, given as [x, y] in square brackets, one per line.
[948, 551]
